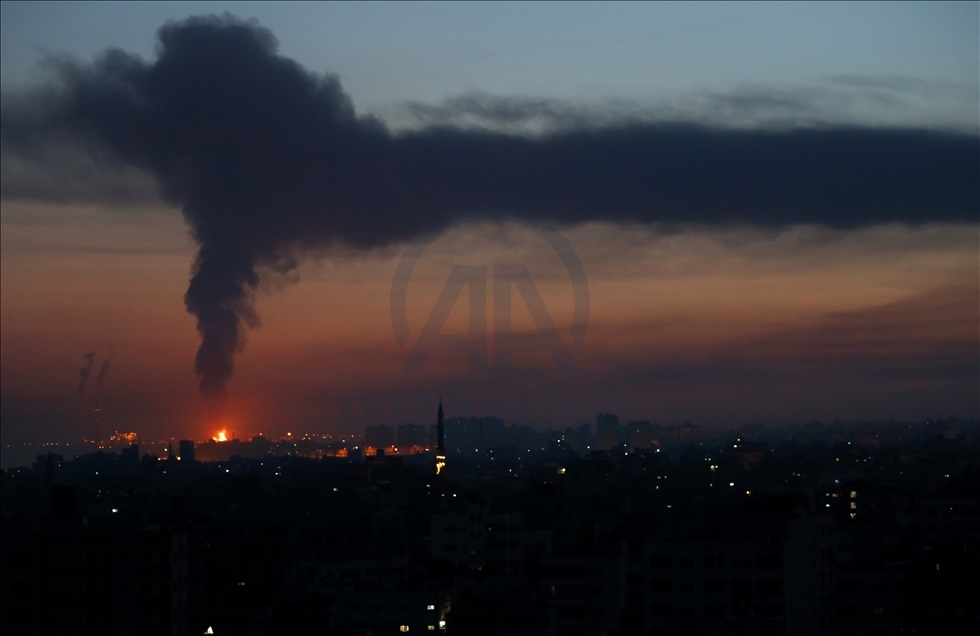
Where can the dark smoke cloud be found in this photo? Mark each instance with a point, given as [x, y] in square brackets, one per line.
[266, 158]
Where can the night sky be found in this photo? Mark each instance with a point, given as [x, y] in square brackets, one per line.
[772, 211]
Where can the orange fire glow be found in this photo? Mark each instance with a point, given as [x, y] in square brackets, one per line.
[222, 436]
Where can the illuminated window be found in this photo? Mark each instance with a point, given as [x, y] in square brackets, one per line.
[430, 607]
[403, 628]
[432, 628]
[854, 494]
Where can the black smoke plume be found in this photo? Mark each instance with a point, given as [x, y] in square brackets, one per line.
[266, 159]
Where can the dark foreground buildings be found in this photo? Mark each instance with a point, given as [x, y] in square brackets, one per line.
[61, 576]
[817, 530]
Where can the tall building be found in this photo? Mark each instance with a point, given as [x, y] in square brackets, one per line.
[607, 431]
[186, 450]
[441, 441]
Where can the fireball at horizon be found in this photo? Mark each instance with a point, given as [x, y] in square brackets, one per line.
[219, 237]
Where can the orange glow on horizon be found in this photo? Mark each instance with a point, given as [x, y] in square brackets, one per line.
[794, 305]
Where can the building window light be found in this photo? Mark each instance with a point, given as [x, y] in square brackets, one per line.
[403, 628]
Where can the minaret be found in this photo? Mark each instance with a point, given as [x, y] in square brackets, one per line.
[441, 446]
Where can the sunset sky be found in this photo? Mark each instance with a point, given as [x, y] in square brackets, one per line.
[775, 207]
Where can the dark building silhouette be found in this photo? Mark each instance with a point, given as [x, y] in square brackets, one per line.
[61, 576]
[804, 531]
[607, 431]
[186, 450]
